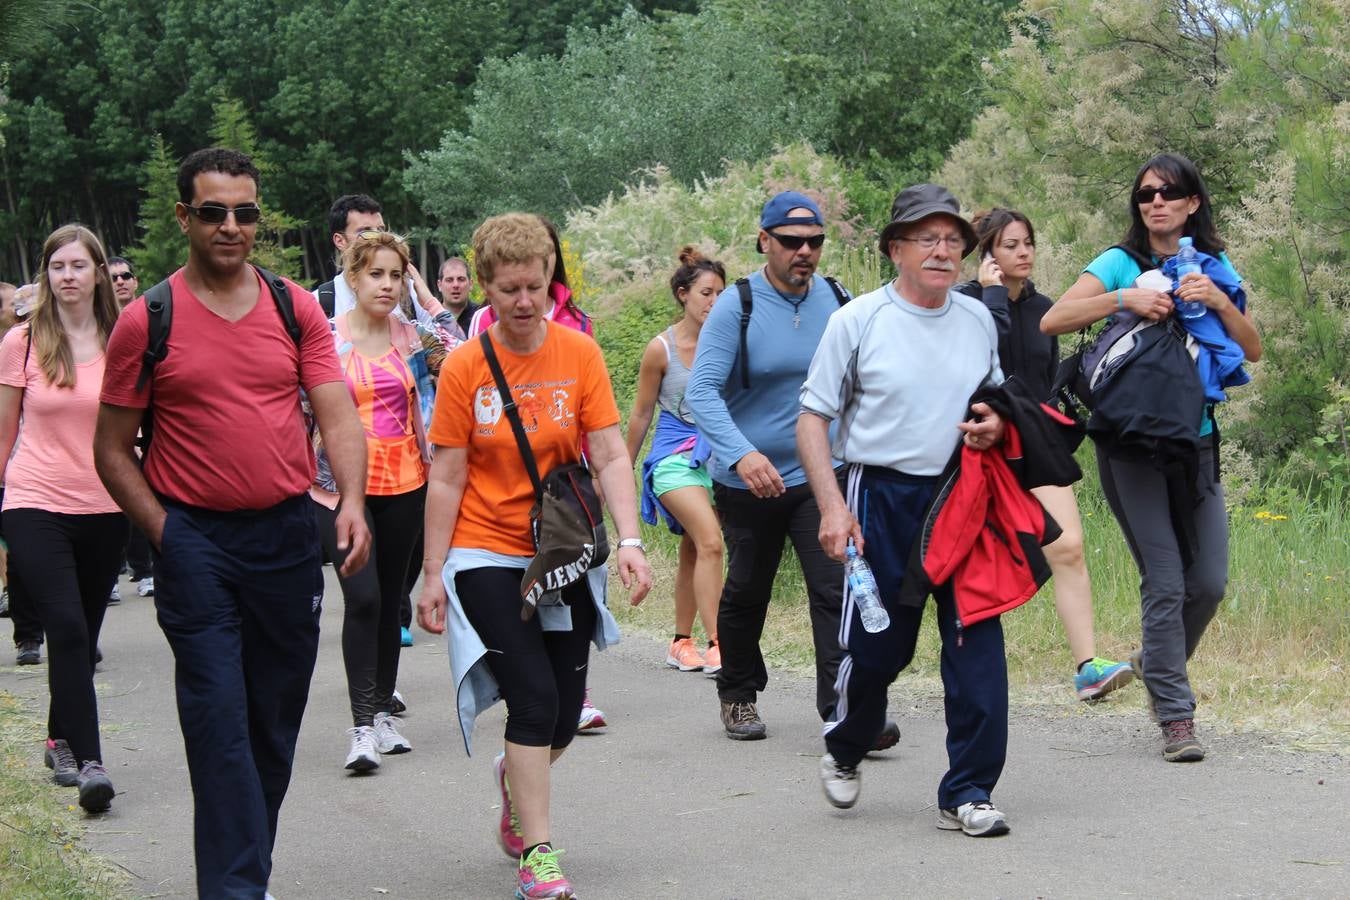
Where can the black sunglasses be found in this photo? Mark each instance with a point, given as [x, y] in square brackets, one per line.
[215, 214]
[122, 276]
[794, 241]
[1145, 195]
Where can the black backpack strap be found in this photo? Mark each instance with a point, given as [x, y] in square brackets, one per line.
[840, 292]
[747, 305]
[327, 294]
[281, 296]
[512, 414]
[158, 320]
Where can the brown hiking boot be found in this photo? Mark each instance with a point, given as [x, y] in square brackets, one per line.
[742, 721]
[1181, 745]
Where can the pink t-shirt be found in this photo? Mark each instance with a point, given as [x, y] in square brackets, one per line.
[53, 468]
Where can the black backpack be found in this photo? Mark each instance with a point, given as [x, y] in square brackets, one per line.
[159, 321]
[748, 304]
[327, 295]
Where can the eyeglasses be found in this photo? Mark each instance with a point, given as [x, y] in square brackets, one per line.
[215, 214]
[122, 276]
[795, 241]
[1145, 195]
[955, 243]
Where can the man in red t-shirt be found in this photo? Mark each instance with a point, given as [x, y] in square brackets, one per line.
[222, 498]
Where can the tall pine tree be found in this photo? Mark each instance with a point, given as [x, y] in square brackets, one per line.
[162, 248]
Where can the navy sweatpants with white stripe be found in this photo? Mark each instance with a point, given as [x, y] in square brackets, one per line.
[890, 505]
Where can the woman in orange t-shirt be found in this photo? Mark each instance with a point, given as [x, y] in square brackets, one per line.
[375, 349]
[478, 538]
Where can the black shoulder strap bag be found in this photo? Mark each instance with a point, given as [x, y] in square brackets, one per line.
[566, 522]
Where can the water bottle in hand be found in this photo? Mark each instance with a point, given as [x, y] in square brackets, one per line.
[1187, 261]
[862, 587]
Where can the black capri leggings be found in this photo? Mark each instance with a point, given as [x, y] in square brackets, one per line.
[542, 674]
[372, 597]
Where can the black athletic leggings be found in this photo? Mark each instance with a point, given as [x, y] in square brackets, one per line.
[68, 563]
[542, 674]
[372, 596]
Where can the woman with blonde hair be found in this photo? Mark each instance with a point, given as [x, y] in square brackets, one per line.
[65, 532]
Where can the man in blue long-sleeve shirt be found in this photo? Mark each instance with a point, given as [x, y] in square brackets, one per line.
[746, 405]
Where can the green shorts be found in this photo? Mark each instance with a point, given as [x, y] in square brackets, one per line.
[674, 472]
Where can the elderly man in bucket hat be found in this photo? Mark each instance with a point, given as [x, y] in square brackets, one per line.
[896, 369]
[752, 356]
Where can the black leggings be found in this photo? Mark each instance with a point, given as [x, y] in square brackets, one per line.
[68, 563]
[372, 596]
[541, 674]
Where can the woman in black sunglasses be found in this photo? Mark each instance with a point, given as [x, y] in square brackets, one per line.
[1161, 518]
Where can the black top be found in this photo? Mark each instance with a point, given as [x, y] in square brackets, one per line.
[464, 316]
[1022, 349]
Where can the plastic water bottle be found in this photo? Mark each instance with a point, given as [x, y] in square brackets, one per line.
[863, 588]
[1187, 262]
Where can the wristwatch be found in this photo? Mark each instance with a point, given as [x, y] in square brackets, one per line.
[633, 542]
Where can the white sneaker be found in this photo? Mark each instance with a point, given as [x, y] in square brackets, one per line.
[145, 587]
[363, 756]
[115, 596]
[842, 784]
[388, 739]
[979, 819]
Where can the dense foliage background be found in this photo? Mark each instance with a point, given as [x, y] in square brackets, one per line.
[647, 125]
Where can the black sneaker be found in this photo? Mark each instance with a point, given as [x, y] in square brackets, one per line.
[1181, 744]
[742, 721]
[96, 789]
[889, 737]
[30, 653]
[61, 761]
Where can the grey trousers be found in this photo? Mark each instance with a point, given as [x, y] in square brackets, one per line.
[1177, 601]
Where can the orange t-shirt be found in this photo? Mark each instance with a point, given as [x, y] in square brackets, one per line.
[562, 391]
[386, 401]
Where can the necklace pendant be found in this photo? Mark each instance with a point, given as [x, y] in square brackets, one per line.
[796, 320]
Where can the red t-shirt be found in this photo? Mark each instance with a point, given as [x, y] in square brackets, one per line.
[229, 433]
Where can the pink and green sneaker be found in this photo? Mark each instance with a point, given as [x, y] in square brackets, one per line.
[541, 878]
[508, 829]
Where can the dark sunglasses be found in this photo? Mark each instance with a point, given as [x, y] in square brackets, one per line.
[215, 214]
[1145, 195]
[794, 242]
[122, 276]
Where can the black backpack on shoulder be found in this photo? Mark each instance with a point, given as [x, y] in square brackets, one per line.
[747, 306]
[159, 322]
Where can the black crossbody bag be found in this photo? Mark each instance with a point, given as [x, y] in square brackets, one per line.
[566, 523]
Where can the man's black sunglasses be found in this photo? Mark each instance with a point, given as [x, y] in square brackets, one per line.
[122, 276]
[215, 214]
[1145, 195]
[795, 241]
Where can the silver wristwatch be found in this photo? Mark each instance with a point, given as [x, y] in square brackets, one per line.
[633, 542]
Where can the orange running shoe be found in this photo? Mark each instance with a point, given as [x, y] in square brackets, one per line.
[683, 655]
[712, 659]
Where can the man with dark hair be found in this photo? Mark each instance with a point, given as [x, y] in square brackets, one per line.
[455, 284]
[224, 498]
[123, 279]
[349, 215]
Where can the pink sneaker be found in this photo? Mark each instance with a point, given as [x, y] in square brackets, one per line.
[683, 655]
[712, 659]
[508, 829]
[590, 716]
[540, 877]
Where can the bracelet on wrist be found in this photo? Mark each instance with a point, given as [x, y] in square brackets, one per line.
[1120, 299]
[635, 543]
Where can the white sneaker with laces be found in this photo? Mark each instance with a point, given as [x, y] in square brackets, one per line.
[145, 587]
[363, 757]
[388, 738]
[842, 784]
[978, 819]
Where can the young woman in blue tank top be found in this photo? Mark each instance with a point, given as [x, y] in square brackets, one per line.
[676, 486]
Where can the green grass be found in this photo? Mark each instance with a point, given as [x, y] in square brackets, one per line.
[1273, 660]
[40, 827]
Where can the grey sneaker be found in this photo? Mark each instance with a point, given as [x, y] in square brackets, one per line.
[30, 653]
[388, 737]
[1181, 744]
[146, 587]
[889, 737]
[58, 758]
[115, 596]
[742, 721]
[841, 784]
[96, 789]
[978, 819]
[363, 756]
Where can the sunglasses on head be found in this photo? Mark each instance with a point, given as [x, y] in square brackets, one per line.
[795, 241]
[122, 276]
[216, 214]
[1145, 195]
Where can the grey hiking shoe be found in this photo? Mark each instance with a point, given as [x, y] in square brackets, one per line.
[96, 788]
[61, 761]
[742, 721]
[889, 737]
[30, 653]
[1180, 742]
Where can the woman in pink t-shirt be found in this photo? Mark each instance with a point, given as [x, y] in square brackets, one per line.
[65, 532]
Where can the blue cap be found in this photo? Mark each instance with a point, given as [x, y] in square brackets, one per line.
[776, 211]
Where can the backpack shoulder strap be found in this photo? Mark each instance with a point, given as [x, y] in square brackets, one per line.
[512, 413]
[1144, 262]
[281, 296]
[840, 292]
[158, 321]
[327, 294]
[747, 305]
